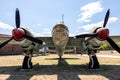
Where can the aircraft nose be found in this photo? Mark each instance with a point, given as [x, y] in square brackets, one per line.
[18, 33]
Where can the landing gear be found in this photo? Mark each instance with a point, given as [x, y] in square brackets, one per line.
[93, 63]
[27, 64]
[60, 57]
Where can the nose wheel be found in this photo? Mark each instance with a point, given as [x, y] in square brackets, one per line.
[27, 64]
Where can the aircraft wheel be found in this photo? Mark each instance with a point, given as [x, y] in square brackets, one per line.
[93, 64]
[27, 64]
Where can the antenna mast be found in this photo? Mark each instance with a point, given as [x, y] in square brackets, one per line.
[63, 18]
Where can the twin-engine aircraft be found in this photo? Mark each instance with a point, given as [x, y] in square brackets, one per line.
[89, 43]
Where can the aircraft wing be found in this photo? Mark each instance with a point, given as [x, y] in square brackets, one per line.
[47, 40]
[72, 42]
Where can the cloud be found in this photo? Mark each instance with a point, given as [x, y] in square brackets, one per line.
[112, 19]
[89, 10]
[45, 32]
[39, 24]
[6, 26]
[99, 24]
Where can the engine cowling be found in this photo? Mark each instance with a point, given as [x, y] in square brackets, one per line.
[102, 34]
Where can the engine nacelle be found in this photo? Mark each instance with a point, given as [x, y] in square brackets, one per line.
[103, 34]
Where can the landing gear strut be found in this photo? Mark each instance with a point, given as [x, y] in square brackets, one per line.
[27, 64]
[93, 63]
[60, 57]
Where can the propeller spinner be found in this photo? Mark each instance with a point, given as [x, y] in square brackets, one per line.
[18, 33]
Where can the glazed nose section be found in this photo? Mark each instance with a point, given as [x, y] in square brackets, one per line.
[18, 33]
[103, 33]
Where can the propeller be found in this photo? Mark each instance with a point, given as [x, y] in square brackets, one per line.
[86, 35]
[4, 43]
[111, 42]
[19, 33]
[106, 18]
[33, 39]
[17, 18]
[102, 33]
[96, 34]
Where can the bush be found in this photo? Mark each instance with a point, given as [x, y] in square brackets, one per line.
[107, 46]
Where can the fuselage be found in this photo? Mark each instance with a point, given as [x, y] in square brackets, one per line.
[60, 36]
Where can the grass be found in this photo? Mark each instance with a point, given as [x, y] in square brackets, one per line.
[72, 67]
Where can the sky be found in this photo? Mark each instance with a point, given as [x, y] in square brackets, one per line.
[39, 16]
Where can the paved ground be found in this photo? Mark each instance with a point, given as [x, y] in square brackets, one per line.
[73, 67]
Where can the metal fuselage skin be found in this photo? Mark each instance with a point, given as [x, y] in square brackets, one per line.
[60, 36]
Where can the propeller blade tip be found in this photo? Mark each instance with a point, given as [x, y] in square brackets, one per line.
[108, 10]
[17, 9]
[17, 18]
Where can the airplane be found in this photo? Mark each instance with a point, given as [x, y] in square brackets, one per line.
[89, 43]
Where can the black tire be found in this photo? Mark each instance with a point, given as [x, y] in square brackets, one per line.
[94, 64]
[27, 64]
